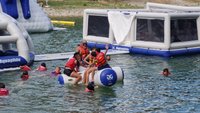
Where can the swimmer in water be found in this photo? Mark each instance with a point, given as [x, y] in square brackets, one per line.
[42, 67]
[166, 72]
[25, 68]
[25, 75]
[90, 87]
[57, 71]
[2, 85]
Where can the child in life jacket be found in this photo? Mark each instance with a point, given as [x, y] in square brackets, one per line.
[91, 61]
[25, 75]
[42, 67]
[25, 68]
[72, 67]
[101, 62]
[56, 72]
[83, 49]
[3, 90]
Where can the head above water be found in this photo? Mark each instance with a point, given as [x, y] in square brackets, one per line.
[166, 72]
[43, 64]
[90, 86]
[2, 85]
[25, 73]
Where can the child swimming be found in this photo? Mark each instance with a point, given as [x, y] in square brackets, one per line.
[90, 87]
[42, 67]
[166, 72]
[25, 68]
[25, 75]
[56, 72]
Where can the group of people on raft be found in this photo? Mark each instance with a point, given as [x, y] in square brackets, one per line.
[91, 60]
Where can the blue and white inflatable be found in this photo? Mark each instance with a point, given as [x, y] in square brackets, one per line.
[28, 13]
[16, 47]
[104, 77]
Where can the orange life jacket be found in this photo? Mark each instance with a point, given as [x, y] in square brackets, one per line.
[71, 63]
[83, 52]
[101, 60]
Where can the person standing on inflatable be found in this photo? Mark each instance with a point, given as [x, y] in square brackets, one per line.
[72, 67]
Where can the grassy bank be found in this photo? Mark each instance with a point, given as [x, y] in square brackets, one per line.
[82, 4]
[75, 8]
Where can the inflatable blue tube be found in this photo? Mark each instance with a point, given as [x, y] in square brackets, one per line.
[10, 7]
[11, 61]
[101, 46]
[147, 51]
[159, 53]
[26, 8]
[179, 52]
[139, 51]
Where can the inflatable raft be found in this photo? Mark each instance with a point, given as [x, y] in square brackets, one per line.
[104, 77]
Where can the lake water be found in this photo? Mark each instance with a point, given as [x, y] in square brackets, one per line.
[143, 89]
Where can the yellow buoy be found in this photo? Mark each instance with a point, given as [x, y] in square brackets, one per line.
[70, 23]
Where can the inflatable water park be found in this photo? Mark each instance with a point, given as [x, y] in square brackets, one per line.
[159, 29]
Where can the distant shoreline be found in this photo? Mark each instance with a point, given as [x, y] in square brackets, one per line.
[78, 12]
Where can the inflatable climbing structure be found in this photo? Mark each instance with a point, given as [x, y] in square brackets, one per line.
[28, 13]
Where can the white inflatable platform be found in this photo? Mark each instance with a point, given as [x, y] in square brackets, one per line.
[104, 77]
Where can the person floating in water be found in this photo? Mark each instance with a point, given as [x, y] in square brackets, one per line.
[166, 72]
[3, 90]
[72, 67]
[42, 67]
[25, 68]
[25, 75]
[56, 72]
[90, 87]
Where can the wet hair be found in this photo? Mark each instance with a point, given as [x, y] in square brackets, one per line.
[98, 50]
[94, 48]
[90, 86]
[85, 44]
[94, 54]
[43, 64]
[75, 54]
[165, 70]
[2, 85]
[25, 73]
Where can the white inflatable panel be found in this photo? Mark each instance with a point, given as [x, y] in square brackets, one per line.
[104, 77]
